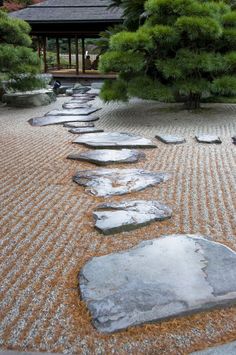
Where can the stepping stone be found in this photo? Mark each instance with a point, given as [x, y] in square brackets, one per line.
[161, 278]
[114, 140]
[75, 105]
[111, 182]
[234, 139]
[78, 124]
[169, 139]
[120, 217]
[75, 112]
[85, 95]
[84, 130]
[208, 138]
[106, 157]
[51, 120]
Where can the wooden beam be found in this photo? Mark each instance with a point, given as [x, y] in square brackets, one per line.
[83, 55]
[58, 53]
[39, 46]
[77, 55]
[69, 48]
[45, 54]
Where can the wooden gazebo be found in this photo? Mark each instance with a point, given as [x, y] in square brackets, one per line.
[73, 20]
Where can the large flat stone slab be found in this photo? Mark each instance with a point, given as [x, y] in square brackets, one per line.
[115, 140]
[75, 112]
[161, 278]
[27, 99]
[51, 120]
[75, 105]
[208, 138]
[114, 218]
[78, 124]
[106, 157]
[84, 130]
[170, 139]
[110, 182]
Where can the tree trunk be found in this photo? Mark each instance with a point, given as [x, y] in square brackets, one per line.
[193, 101]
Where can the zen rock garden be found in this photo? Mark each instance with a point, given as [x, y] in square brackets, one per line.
[164, 277]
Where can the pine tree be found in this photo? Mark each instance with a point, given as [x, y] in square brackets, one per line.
[17, 59]
[184, 47]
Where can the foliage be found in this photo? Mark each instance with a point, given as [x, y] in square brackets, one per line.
[17, 59]
[185, 47]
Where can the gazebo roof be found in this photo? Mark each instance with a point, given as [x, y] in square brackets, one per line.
[70, 11]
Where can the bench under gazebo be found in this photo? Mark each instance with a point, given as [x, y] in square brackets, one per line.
[73, 26]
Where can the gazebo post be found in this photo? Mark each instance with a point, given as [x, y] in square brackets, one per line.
[45, 54]
[58, 53]
[83, 55]
[77, 55]
[39, 46]
[69, 48]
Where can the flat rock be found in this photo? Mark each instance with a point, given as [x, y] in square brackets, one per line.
[161, 278]
[234, 139]
[110, 182]
[51, 120]
[170, 139]
[78, 124]
[27, 99]
[84, 130]
[208, 138]
[120, 217]
[106, 157]
[115, 140]
[75, 112]
[75, 105]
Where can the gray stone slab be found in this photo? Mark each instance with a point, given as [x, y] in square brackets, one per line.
[170, 139]
[51, 120]
[78, 124]
[110, 182]
[226, 349]
[208, 138]
[107, 156]
[75, 112]
[75, 105]
[159, 279]
[87, 95]
[114, 218]
[84, 130]
[115, 140]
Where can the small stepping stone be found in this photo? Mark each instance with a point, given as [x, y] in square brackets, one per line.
[93, 96]
[170, 276]
[106, 157]
[125, 216]
[114, 140]
[84, 130]
[208, 138]
[75, 105]
[111, 182]
[78, 124]
[234, 139]
[51, 120]
[75, 112]
[169, 139]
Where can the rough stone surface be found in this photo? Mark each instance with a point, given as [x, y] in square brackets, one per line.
[78, 124]
[170, 139]
[226, 349]
[30, 98]
[75, 105]
[84, 130]
[50, 120]
[110, 182]
[161, 278]
[234, 139]
[208, 138]
[79, 89]
[106, 157]
[75, 112]
[120, 217]
[115, 140]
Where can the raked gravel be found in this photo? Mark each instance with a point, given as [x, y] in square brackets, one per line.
[47, 228]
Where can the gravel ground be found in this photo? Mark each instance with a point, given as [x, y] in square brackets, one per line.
[47, 231]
